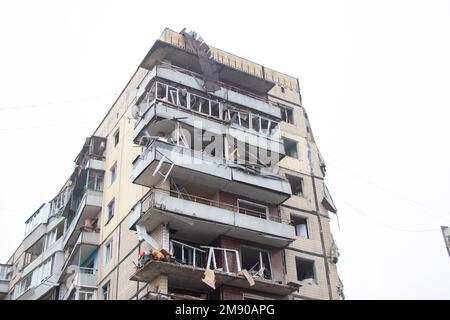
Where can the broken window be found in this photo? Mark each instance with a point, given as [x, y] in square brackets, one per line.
[301, 226]
[265, 125]
[305, 269]
[187, 254]
[215, 109]
[296, 185]
[287, 115]
[255, 122]
[244, 119]
[111, 206]
[161, 91]
[105, 291]
[290, 148]
[253, 209]
[257, 262]
[183, 97]
[173, 95]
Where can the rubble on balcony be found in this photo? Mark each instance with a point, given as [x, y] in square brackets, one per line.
[207, 273]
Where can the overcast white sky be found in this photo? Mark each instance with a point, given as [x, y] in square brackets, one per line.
[375, 80]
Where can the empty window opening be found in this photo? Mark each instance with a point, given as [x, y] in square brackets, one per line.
[187, 254]
[257, 262]
[182, 97]
[296, 185]
[105, 291]
[255, 123]
[161, 91]
[215, 109]
[301, 226]
[252, 209]
[305, 269]
[290, 148]
[287, 115]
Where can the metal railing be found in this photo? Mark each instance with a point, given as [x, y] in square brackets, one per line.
[183, 98]
[147, 201]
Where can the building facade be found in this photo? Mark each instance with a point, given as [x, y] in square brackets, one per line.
[203, 181]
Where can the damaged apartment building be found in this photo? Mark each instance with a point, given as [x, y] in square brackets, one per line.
[203, 181]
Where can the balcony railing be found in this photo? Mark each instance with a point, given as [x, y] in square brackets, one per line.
[147, 199]
[181, 97]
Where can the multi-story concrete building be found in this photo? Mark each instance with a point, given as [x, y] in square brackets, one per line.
[203, 181]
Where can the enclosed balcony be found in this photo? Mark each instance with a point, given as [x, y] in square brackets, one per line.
[80, 283]
[162, 159]
[5, 277]
[88, 208]
[203, 220]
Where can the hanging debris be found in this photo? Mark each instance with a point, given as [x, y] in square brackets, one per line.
[207, 64]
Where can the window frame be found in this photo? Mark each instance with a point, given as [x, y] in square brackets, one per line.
[113, 173]
[116, 137]
[108, 252]
[308, 232]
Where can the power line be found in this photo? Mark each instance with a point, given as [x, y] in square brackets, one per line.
[395, 228]
[393, 193]
[46, 126]
[55, 102]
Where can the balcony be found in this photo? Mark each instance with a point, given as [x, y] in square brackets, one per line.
[230, 69]
[203, 220]
[164, 101]
[191, 81]
[185, 163]
[187, 271]
[88, 208]
[5, 277]
[84, 247]
[78, 278]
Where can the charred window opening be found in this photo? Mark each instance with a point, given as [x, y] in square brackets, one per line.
[305, 269]
[257, 262]
[290, 148]
[296, 185]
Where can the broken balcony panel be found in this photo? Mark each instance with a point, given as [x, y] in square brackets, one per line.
[327, 201]
[192, 81]
[151, 124]
[202, 220]
[207, 169]
[189, 60]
